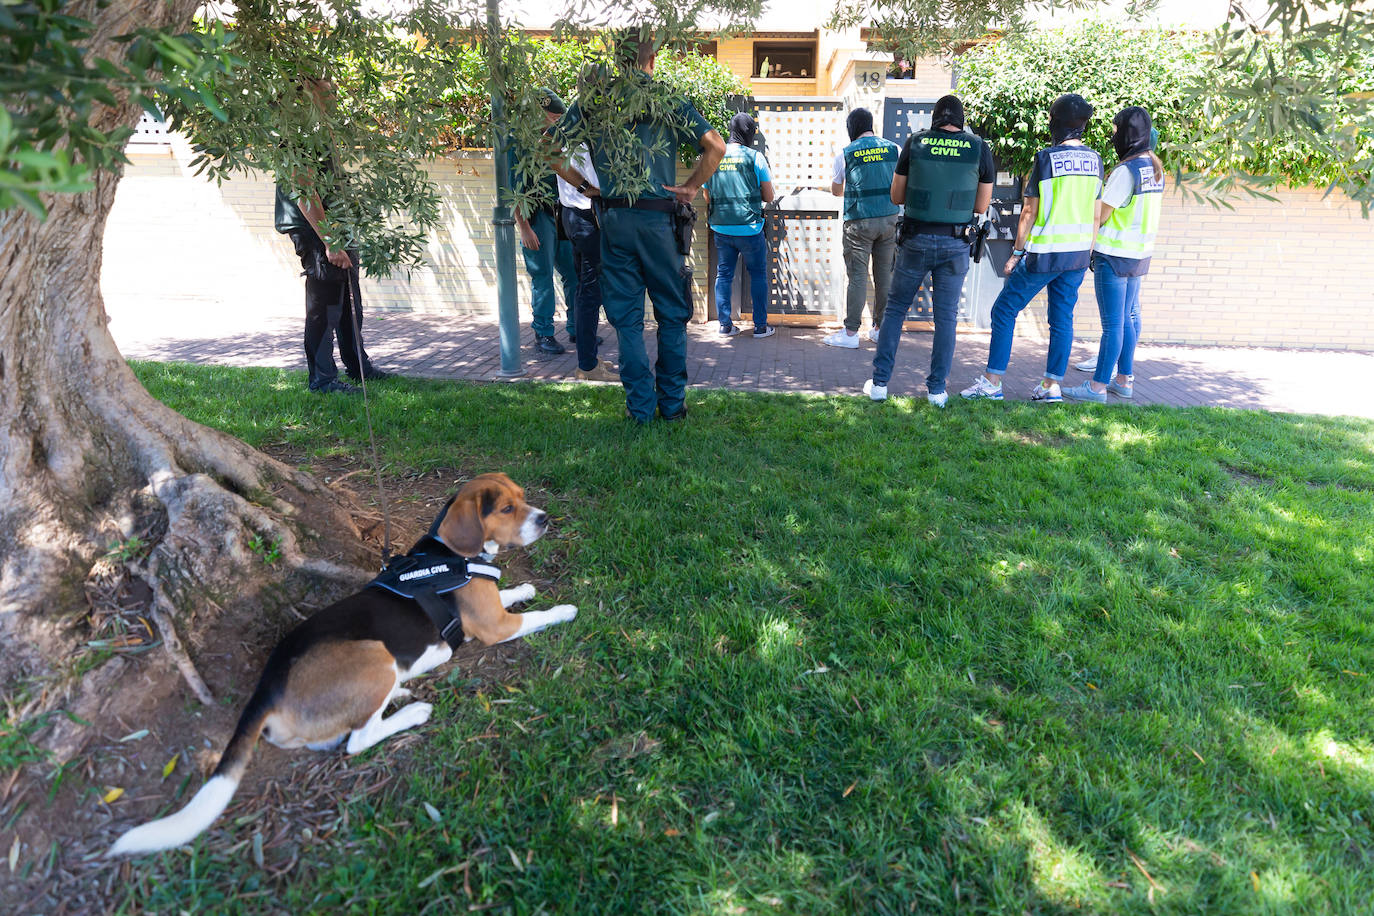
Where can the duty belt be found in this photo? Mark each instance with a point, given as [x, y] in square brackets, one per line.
[658, 204]
[917, 227]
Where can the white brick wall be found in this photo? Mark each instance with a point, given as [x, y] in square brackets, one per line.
[1291, 274]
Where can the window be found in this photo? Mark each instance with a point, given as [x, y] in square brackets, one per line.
[785, 61]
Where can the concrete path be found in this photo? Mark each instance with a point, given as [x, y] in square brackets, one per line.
[441, 346]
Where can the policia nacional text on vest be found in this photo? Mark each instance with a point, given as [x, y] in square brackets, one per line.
[868, 166]
[735, 195]
[942, 181]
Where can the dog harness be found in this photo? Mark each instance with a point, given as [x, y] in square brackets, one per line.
[428, 572]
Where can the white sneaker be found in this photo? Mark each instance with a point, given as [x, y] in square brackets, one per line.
[842, 338]
[873, 334]
[982, 389]
[875, 392]
[938, 400]
[1087, 365]
[1050, 395]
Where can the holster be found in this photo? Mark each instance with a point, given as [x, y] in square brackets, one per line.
[684, 217]
[976, 232]
[903, 230]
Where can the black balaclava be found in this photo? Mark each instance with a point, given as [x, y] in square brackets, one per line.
[742, 129]
[1069, 117]
[860, 121]
[1133, 132]
[949, 112]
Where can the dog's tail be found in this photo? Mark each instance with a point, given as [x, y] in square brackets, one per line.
[200, 812]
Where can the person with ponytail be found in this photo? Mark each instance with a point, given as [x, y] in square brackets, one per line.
[1127, 220]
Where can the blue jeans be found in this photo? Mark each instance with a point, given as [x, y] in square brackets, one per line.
[638, 255]
[581, 230]
[554, 254]
[729, 248]
[1019, 290]
[945, 259]
[1118, 303]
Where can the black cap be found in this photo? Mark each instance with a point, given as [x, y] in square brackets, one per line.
[949, 112]
[1069, 116]
[860, 121]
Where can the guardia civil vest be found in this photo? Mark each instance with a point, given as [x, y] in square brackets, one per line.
[1127, 239]
[942, 176]
[869, 164]
[1069, 181]
[735, 196]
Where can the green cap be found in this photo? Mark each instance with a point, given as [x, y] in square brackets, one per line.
[549, 101]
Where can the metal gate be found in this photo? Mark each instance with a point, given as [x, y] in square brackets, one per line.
[802, 227]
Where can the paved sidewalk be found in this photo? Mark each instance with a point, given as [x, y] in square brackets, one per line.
[441, 346]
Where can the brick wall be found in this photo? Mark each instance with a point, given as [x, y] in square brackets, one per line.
[228, 255]
[1291, 274]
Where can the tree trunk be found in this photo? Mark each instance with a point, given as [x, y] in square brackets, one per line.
[88, 459]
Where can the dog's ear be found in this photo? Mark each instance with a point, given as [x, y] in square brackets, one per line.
[461, 528]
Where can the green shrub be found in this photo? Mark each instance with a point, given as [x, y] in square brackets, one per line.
[1008, 85]
[538, 63]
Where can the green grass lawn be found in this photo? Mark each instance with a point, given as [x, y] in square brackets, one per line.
[843, 657]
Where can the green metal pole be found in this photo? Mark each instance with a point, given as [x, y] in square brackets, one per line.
[503, 224]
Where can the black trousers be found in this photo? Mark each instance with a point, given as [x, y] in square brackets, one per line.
[330, 313]
[580, 227]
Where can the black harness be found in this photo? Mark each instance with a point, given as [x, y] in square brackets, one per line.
[431, 570]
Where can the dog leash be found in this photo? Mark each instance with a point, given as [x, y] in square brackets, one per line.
[355, 306]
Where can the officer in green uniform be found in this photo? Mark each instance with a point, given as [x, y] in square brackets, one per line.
[545, 253]
[639, 250]
[863, 176]
[943, 178]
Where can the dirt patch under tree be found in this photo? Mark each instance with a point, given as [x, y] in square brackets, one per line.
[55, 819]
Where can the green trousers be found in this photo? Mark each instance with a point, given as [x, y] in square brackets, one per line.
[555, 255]
[639, 254]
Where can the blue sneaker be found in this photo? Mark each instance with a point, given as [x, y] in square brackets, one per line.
[1084, 392]
[1126, 391]
[1050, 395]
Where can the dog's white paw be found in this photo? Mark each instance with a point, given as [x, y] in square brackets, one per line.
[563, 612]
[400, 693]
[516, 595]
[412, 715]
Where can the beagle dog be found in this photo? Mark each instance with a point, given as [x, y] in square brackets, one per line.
[329, 681]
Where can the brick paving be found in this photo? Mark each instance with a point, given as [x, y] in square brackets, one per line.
[794, 359]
